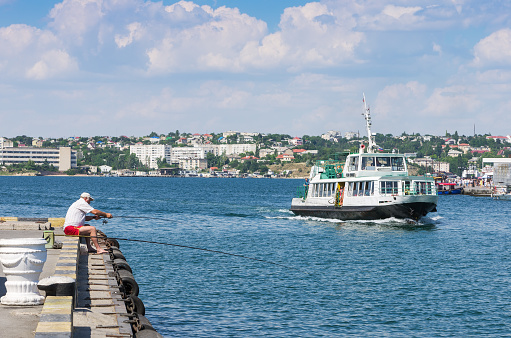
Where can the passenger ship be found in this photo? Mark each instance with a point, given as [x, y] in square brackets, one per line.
[369, 185]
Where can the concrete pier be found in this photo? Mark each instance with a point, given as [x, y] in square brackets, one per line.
[97, 308]
[477, 191]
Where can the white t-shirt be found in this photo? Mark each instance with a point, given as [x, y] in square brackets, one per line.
[76, 213]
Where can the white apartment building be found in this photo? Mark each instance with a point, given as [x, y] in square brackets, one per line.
[5, 143]
[350, 134]
[179, 153]
[235, 149]
[193, 163]
[435, 165]
[63, 158]
[149, 154]
[228, 149]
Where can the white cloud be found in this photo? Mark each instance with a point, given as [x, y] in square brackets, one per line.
[398, 12]
[52, 63]
[450, 101]
[33, 53]
[72, 19]
[400, 100]
[211, 40]
[310, 36]
[134, 33]
[437, 48]
[494, 50]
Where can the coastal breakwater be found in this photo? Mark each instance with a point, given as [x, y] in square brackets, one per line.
[84, 294]
[477, 191]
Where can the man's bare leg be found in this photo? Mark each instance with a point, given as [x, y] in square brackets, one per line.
[88, 230]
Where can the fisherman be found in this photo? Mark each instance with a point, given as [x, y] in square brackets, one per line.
[74, 224]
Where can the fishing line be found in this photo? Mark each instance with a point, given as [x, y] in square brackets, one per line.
[194, 248]
[143, 217]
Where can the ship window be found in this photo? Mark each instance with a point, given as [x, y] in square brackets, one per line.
[353, 164]
[361, 188]
[397, 164]
[383, 161]
[368, 188]
[331, 189]
[423, 188]
[389, 187]
[407, 187]
[368, 163]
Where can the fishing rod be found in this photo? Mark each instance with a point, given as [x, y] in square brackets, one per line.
[194, 248]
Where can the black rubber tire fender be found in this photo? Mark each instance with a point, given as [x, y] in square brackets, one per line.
[116, 253]
[137, 306]
[129, 282]
[145, 324]
[147, 334]
[113, 243]
[121, 264]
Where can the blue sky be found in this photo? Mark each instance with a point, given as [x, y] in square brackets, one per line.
[108, 67]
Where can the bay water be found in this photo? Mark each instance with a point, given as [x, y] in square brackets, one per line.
[447, 276]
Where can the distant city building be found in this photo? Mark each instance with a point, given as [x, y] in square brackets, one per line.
[182, 140]
[37, 143]
[501, 170]
[332, 136]
[296, 141]
[500, 138]
[192, 163]
[228, 149]
[179, 153]
[266, 152]
[5, 143]
[150, 154]
[230, 133]
[454, 153]
[285, 157]
[434, 165]
[350, 135]
[62, 158]
[105, 169]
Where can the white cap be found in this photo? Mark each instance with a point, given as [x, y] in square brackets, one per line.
[86, 195]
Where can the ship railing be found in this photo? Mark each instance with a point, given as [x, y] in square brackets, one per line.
[415, 192]
[331, 168]
[301, 192]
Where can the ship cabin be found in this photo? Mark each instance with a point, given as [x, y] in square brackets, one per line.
[366, 174]
[375, 165]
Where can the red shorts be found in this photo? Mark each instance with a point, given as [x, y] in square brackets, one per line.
[72, 230]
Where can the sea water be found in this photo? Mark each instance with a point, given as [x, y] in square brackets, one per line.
[447, 276]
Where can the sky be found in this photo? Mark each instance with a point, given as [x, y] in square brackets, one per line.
[132, 67]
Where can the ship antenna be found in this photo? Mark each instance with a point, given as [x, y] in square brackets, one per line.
[367, 116]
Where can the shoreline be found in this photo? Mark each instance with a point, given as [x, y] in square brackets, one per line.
[81, 175]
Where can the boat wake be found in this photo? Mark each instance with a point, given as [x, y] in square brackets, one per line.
[423, 223]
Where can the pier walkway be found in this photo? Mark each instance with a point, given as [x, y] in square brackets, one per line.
[97, 309]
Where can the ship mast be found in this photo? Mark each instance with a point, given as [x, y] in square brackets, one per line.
[367, 116]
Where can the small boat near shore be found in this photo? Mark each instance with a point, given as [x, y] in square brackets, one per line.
[447, 188]
[367, 185]
[502, 193]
